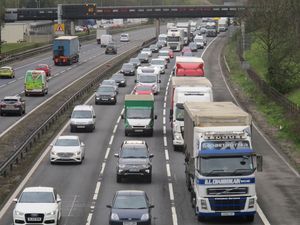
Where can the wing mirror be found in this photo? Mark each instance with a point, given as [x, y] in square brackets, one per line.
[58, 199]
[15, 200]
[151, 206]
[151, 156]
[116, 155]
[82, 144]
[155, 117]
[108, 206]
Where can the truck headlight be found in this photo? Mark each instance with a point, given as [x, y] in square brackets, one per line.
[122, 166]
[114, 216]
[203, 204]
[145, 216]
[251, 203]
[19, 213]
[177, 137]
[51, 213]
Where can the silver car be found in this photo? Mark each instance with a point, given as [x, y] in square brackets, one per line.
[67, 149]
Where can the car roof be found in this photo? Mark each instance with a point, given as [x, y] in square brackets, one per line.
[83, 107]
[6, 67]
[158, 59]
[130, 192]
[42, 65]
[128, 64]
[106, 85]
[11, 97]
[38, 189]
[68, 137]
[108, 80]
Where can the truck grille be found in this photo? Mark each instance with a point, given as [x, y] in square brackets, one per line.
[228, 191]
[227, 204]
[34, 218]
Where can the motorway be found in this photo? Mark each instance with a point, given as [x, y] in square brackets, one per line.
[91, 55]
[86, 189]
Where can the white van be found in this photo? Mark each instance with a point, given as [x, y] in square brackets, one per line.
[83, 118]
[124, 37]
[149, 76]
[105, 39]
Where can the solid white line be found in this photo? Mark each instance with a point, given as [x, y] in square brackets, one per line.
[258, 130]
[212, 41]
[165, 141]
[89, 219]
[97, 187]
[107, 153]
[226, 64]
[111, 140]
[72, 206]
[95, 197]
[171, 192]
[167, 154]
[262, 216]
[168, 170]
[174, 215]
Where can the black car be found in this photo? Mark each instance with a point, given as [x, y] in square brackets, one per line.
[143, 57]
[120, 79]
[130, 207]
[193, 46]
[134, 159]
[128, 69]
[111, 48]
[135, 61]
[106, 94]
[153, 48]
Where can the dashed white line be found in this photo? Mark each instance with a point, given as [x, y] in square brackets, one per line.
[89, 219]
[97, 187]
[164, 120]
[165, 141]
[3, 85]
[72, 206]
[115, 129]
[13, 81]
[107, 153]
[111, 139]
[168, 170]
[174, 216]
[164, 130]
[167, 154]
[103, 167]
[171, 192]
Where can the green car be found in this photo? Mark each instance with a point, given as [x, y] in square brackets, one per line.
[7, 71]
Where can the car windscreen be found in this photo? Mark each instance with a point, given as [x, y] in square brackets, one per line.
[147, 79]
[108, 82]
[106, 89]
[130, 202]
[163, 53]
[67, 142]
[37, 197]
[138, 113]
[134, 151]
[157, 62]
[80, 114]
[171, 38]
[127, 66]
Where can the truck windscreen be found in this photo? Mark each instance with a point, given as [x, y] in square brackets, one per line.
[175, 39]
[179, 113]
[138, 113]
[226, 166]
[220, 145]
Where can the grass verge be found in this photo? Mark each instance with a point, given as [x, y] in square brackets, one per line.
[282, 124]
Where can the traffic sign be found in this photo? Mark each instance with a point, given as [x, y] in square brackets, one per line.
[59, 29]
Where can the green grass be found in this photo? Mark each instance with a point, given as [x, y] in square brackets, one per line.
[257, 58]
[274, 114]
[294, 96]
[18, 47]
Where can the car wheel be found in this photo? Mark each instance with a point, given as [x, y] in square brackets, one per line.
[20, 112]
[149, 178]
[119, 179]
[72, 129]
[151, 133]
[126, 133]
[250, 218]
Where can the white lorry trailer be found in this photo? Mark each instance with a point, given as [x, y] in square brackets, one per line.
[186, 89]
[100, 31]
[175, 39]
[186, 27]
[220, 161]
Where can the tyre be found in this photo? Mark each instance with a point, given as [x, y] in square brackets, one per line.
[119, 178]
[20, 112]
[250, 218]
[1, 113]
[72, 129]
[126, 133]
[149, 178]
[201, 218]
[151, 133]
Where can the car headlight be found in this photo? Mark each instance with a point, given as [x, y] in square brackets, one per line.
[19, 213]
[114, 216]
[145, 166]
[122, 81]
[78, 153]
[53, 153]
[122, 166]
[145, 216]
[51, 213]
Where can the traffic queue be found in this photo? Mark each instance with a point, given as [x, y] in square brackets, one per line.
[215, 137]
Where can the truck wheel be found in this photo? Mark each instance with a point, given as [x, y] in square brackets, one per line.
[1, 113]
[250, 218]
[201, 218]
[126, 133]
[119, 179]
[151, 133]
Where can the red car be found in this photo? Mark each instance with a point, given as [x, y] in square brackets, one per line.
[45, 68]
[141, 89]
[185, 49]
[171, 53]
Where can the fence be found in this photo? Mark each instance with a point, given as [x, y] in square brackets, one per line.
[276, 96]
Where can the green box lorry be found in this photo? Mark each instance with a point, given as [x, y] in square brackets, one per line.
[139, 114]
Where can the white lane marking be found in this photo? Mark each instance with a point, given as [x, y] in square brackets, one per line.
[119, 118]
[165, 104]
[73, 203]
[164, 130]
[167, 154]
[164, 120]
[111, 139]
[171, 192]
[164, 112]
[3, 85]
[115, 129]
[102, 169]
[165, 141]
[168, 170]
[107, 153]
[89, 219]
[174, 215]
[13, 81]
[258, 130]
[20, 78]
[20, 67]
[226, 64]
[262, 215]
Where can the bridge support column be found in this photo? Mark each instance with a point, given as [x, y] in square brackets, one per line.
[157, 27]
[72, 27]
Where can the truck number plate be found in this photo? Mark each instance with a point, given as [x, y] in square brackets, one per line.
[138, 130]
[80, 126]
[129, 223]
[227, 214]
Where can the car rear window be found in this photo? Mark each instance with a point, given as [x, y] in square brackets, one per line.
[130, 202]
[10, 101]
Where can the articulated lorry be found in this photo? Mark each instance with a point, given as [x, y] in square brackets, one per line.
[186, 89]
[66, 50]
[186, 27]
[139, 114]
[188, 66]
[220, 162]
[175, 39]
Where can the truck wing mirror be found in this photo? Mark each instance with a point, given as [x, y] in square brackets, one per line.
[135, 80]
[259, 163]
[122, 116]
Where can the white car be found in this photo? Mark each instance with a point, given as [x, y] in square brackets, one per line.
[164, 54]
[37, 205]
[67, 149]
[147, 51]
[160, 63]
[124, 37]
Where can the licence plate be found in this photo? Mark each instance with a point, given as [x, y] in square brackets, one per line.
[34, 219]
[134, 170]
[104, 99]
[80, 126]
[138, 130]
[227, 214]
[129, 223]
